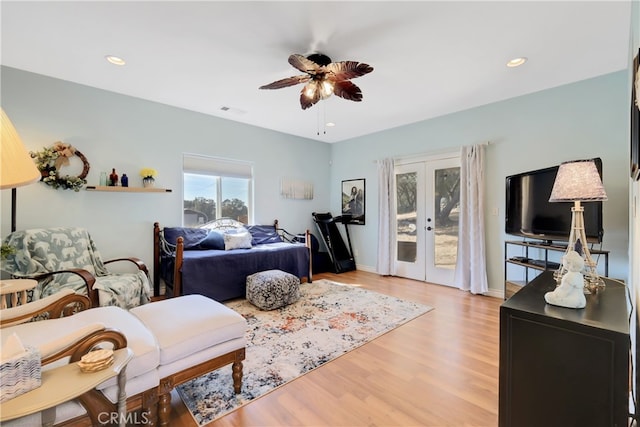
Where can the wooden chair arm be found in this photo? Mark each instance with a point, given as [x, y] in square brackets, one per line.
[137, 261]
[88, 278]
[79, 348]
[63, 306]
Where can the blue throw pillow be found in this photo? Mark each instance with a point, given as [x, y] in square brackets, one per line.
[262, 234]
[214, 240]
[192, 236]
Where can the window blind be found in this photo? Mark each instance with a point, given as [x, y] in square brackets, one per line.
[215, 166]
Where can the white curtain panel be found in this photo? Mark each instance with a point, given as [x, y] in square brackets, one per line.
[386, 206]
[471, 270]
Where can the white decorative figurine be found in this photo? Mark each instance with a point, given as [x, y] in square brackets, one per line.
[570, 293]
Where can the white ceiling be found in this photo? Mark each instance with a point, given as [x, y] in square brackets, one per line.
[429, 58]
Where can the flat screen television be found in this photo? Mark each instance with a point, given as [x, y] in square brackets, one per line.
[529, 213]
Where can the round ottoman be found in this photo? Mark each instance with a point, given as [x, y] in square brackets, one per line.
[272, 289]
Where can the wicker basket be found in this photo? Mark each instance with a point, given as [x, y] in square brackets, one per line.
[20, 374]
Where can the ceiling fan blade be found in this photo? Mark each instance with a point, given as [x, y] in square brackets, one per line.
[289, 81]
[303, 64]
[346, 70]
[347, 90]
[310, 94]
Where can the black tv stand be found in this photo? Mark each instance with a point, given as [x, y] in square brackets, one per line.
[536, 260]
[563, 366]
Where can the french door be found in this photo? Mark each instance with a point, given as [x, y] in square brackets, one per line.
[427, 205]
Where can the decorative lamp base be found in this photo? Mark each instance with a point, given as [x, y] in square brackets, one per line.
[578, 242]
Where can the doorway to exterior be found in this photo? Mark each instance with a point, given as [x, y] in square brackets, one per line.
[427, 195]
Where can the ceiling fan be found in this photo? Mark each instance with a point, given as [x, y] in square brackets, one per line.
[323, 78]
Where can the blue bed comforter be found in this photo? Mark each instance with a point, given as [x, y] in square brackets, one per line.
[221, 275]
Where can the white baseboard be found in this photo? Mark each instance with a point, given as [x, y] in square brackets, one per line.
[366, 268]
[494, 293]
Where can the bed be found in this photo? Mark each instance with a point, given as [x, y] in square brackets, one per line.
[196, 260]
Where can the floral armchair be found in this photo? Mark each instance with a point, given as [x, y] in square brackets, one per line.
[67, 258]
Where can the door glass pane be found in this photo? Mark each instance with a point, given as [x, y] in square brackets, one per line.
[406, 215]
[447, 210]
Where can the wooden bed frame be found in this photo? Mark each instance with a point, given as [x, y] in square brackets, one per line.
[219, 224]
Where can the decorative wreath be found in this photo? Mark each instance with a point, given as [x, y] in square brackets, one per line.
[49, 161]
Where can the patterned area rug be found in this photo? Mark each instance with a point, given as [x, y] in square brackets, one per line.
[329, 320]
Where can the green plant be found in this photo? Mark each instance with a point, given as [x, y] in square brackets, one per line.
[6, 250]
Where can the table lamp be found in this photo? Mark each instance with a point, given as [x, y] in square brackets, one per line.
[16, 166]
[579, 181]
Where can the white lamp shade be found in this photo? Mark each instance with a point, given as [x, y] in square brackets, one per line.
[577, 180]
[17, 166]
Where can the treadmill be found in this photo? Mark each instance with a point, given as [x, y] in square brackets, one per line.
[341, 255]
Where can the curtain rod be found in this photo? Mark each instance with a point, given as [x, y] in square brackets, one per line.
[434, 153]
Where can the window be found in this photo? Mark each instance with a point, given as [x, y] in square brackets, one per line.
[215, 188]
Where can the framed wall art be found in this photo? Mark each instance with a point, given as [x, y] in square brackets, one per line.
[635, 121]
[353, 201]
[293, 188]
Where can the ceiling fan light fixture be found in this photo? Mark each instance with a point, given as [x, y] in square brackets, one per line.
[327, 89]
[115, 60]
[310, 91]
[323, 78]
[516, 62]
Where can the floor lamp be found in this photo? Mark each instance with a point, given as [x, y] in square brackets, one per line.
[17, 167]
[579, 181]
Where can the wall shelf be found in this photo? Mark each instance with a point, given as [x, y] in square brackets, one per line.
[128, 189]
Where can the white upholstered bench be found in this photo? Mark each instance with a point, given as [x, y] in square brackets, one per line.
[195, 335]
[173, 341]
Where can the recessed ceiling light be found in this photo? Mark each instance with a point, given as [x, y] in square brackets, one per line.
[115, 60]
[330, 124]
[516, 62]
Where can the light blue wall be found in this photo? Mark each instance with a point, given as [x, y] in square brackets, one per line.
[127, 133]
[581, 120]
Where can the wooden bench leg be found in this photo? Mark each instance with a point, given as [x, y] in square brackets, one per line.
[237, 376]
[167, 384]
[164, 401]
[150, 407]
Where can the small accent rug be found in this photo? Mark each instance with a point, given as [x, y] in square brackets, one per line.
[329, 320]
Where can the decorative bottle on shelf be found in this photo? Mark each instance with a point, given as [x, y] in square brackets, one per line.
[103, 179]
[124, 180]
[113, 178]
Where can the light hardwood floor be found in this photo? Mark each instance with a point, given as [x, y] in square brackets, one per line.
[440, 369]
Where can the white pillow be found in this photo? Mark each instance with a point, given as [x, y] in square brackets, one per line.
[240, 240]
